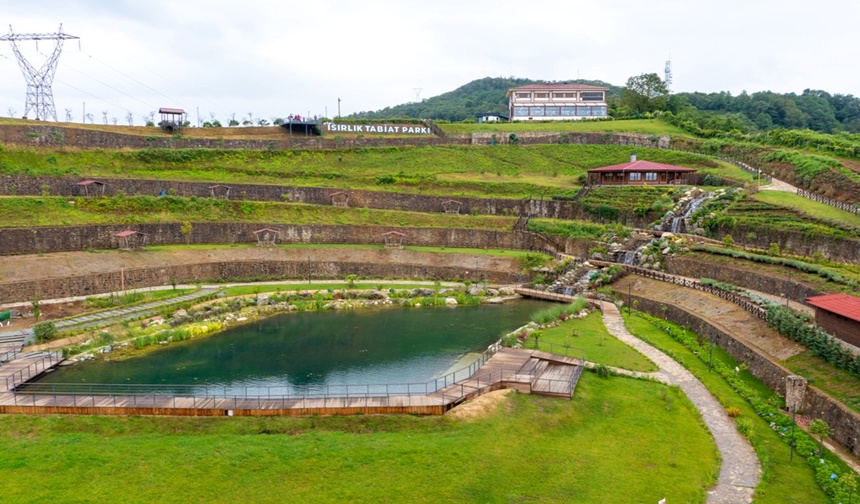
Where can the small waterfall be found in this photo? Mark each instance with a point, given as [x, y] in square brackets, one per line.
[629, 257]
[679, 224]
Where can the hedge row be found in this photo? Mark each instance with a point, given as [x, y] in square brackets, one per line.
[797, 328]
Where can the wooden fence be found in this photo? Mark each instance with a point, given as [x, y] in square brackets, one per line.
[848, 207]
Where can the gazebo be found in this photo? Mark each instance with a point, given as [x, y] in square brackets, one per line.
[171, 119]
[267, 237]
[393, 239]
[638, 172]
[340, 199]
[220, 191]
[131, 240]
[98, 187]
[451, 206]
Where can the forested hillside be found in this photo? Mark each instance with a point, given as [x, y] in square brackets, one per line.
[477, 97]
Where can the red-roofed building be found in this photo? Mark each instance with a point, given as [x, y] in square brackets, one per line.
[839, 315]
[638, 172]
[557, 102]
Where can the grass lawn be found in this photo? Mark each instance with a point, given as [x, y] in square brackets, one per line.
[810, 207]
[614, 442]
[783, 481]
[837, 383]
[243, 290]
[592, 340]
[644, 126]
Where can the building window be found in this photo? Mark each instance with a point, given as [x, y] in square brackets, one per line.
[564, 96]
[552, 111]
[541, 96]
[592, 96]
[535, 111]
[583, 111]
[523, 95]
[650, 176]
[521, 111]
[568, 111]
[598, 111]
[634, 176]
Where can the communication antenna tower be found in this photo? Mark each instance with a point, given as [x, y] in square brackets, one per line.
[668, 74]
[417, 94]
[68, 115]
[40, 98]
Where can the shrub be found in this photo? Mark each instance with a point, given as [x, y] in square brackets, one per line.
[44, 331]
[733, 411]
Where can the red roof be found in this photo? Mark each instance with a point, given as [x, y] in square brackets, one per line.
[267, 229]
[642, 166]
[393, 233]
[129, 232]
[840, 304]
[573, 87]
[166, 110]
[88, 182]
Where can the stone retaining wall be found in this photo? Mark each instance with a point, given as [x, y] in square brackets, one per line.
[134, 278]
[839, 249]
[844, 422]
[723, 272]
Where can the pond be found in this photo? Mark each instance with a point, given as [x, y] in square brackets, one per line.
[310, 352]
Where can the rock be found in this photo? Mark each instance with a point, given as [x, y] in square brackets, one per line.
[495, 300]
[667, 250]
[292, 307]
[180, 314]
[614, 247]
[377, 294]
[492, 292]
[476, 291]
[450, 301]
[262, 299]
[597, 256]
[506, 291]
[423, 292]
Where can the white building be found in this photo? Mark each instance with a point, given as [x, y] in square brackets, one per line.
[557, 102]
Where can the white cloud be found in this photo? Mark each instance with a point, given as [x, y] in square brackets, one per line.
[274, 57]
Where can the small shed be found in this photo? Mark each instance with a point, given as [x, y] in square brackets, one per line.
[451, 206]
[393, 239]
[340, 199]
[91, 188]
[220, 191]
[267, 237]
[491, 117]
[839, 315]
[172, 119]
[131, 240]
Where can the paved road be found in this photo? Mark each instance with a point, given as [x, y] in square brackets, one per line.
[740, 471]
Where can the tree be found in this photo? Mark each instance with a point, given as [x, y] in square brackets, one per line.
[186, 228]
[644, 93]
[820, 428]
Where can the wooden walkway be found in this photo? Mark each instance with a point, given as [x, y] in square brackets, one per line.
[549, 296]
[528, 371]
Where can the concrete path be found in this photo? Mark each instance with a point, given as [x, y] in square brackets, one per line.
[779, 185]
[740, 471]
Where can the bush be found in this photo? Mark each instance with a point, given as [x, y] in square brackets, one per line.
[733, 411]
[44, 331]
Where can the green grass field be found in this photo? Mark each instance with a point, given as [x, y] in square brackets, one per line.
[836, 383]
[783, 480]
[614, 442]
[812, 208]
[588, 337]
[644, 126]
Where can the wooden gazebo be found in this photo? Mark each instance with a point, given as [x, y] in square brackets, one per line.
[393, 239]
[91, 187]
[172, 119]
[451, 206]
[340, 199]
[220, 191]
[267, 237]
[131, 240]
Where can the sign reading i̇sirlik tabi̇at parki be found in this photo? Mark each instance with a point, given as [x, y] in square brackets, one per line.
[392, 129]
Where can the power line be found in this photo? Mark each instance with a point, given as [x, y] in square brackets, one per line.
[108, 85]
[132, 78]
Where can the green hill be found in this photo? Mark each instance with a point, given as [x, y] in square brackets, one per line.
[465, 102]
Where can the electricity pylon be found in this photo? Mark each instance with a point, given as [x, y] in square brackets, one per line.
[40, 98]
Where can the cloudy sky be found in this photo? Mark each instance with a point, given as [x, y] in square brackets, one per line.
[271, 58]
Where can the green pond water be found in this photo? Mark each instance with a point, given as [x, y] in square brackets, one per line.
[315, 352]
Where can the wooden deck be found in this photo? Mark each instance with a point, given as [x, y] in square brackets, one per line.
[528, 371]
[549, 296]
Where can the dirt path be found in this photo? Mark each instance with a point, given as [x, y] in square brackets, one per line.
[725, 315]
[740, 470]
[779, 185]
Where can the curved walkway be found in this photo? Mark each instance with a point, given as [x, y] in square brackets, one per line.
[740, 470]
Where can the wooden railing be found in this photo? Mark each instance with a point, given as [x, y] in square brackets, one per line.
[848, 207]
[690, 283]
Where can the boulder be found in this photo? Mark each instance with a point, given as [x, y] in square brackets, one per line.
[476, 291]
[495, 300]
[180, 313]
[506, 291]
[450, 301]
[262, 299]
[492, 292]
